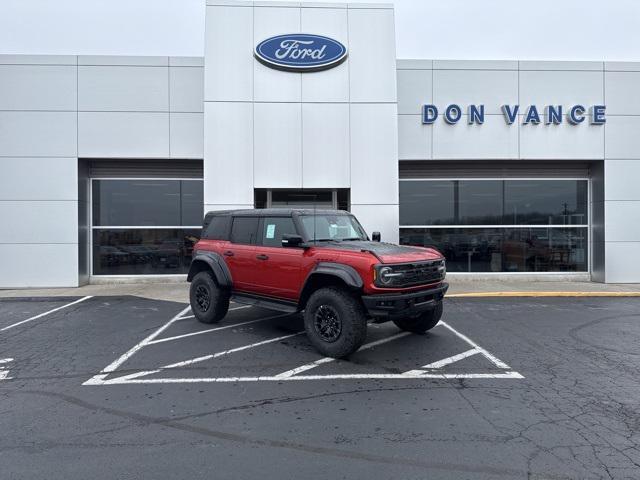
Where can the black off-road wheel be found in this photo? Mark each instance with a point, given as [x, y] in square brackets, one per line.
[335, 322]
[209, 302]
[421, 323]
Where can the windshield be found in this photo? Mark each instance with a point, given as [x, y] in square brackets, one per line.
[332, 227]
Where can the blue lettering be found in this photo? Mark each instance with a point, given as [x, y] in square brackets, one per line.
[532, 116]
[597, 114]
[576, 114]
[429, 114]
[476, 114]
[553, 115]
[509, 114]
[452, 114]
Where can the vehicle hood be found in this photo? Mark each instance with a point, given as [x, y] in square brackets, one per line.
[388, 252]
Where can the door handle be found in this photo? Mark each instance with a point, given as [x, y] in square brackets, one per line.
[262, 256]
[228, 253]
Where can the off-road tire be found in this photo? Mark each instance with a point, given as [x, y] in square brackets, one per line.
[421, 323]
[323, 305]
[203, 285]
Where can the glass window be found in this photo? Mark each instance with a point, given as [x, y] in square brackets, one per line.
[147, 202]
[332, 227]
[493, 202]
[273, 228]
[302, 198]
[524, 249]
[244, 230]
[138, 205]
[427, 202]
[550, 202]
[191, 202]
[218, 228]
[142, 251]
[479, 202]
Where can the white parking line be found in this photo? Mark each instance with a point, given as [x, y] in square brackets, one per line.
[178, 337]
[309, 366]
[4, 374]
[36, 317]
[356, 376]
[492, 358]
[294, 374]
[201, 359]
[98, 379]
[444, 362]
[231, 309]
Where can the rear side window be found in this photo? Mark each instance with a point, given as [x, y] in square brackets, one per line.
[218, 228]
[273, 228]
[244, 230]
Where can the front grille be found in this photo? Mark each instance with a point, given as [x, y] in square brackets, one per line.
[419, 273]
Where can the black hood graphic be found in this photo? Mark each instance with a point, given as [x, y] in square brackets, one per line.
[378, 249]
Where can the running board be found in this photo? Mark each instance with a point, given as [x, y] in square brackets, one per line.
[265, 302]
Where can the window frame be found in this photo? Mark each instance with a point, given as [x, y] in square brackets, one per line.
[588, 226]
[93, 227]
[261, 228]
[233, 221]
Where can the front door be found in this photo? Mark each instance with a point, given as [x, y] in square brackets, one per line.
[278, 271]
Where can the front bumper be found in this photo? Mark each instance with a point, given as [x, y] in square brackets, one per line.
[390, 305]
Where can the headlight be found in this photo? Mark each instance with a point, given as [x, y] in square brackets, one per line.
[386, 275]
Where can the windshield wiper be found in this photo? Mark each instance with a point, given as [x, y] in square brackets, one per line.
[352, 239]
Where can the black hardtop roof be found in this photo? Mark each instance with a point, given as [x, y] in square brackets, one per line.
[276, 212]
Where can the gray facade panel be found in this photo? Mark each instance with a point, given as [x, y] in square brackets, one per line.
[38, 87]
[119, 88]
[123, 135]
[38, 134]
[186, 87]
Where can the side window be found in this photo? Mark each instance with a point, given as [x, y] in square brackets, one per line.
[273, 228]
[218, 228]
[244, 230]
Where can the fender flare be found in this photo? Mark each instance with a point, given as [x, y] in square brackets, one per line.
[217, 266]
[346, 273]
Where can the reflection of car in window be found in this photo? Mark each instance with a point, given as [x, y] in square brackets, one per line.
[110, 256]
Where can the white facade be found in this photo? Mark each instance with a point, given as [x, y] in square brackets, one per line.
[266, 128]
[351, 127]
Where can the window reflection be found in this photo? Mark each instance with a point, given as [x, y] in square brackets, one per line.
[142, 251]
[493, 202]
[147, 202]
[529, 249]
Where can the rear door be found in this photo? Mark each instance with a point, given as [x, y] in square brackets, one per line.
[278, 272]
[240, 253]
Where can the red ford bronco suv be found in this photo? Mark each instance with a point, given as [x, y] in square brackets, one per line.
[320, 262]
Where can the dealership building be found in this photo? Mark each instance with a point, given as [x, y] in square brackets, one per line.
[107, 163]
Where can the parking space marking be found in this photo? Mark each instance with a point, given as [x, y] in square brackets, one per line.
[209, 330]
[231, 309]
[202, 359]
[493, 359]
[4, 372]
[447, 361]
[353, 376]
[425, 372]
[36, 317]
[309, 366]
[99, 378]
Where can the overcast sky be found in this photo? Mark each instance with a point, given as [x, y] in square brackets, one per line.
[458, 29]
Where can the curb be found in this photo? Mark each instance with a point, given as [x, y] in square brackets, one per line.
[542, 294]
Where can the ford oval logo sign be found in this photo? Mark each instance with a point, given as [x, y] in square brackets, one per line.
[300, 52]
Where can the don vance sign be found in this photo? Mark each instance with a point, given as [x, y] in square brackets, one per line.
[529, 115]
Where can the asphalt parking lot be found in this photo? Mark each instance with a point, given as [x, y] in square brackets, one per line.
[125, 387]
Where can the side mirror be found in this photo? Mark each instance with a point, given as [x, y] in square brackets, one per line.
[289, 240]
[375, 236]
